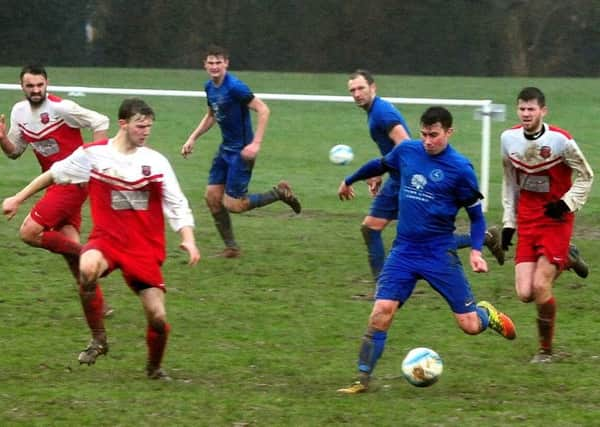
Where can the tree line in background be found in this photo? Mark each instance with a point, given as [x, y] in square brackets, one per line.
[419, 37]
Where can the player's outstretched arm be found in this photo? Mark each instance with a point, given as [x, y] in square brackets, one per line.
[188, 244]
[205, 124]
[10, 205]
[372, 168]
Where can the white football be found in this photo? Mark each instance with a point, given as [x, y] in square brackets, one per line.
[341, 154]
[422, 367]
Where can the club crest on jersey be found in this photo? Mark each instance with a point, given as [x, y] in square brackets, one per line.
[418, 181]
[45, 118]
[146, 170]
[545, 152]
[436, 175]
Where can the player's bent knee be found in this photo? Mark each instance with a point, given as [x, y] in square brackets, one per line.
[30, 232]
[469, 323]
[526, 293]
[91, 266]
[471, 329]
[235, 205]
[30, 235]
[29, 239]
[381, 317]
[525, 297]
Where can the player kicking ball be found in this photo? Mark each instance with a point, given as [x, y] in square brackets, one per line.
[435, 182]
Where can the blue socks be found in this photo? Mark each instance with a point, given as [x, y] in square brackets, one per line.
[375, 249]
[258, 200]
[223, 224]
[484, 316]
[371, 350]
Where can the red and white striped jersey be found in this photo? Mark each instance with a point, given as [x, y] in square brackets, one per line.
[541, 170]
[51, 128]
[130, 195]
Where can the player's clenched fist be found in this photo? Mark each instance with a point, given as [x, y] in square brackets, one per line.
[10, 205]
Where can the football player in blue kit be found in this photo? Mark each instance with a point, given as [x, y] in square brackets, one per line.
[435, 182]
[387, 128]
[229, 103]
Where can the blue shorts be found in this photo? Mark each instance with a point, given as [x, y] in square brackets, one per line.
[438, 264]
[385, 203]
[230, 169]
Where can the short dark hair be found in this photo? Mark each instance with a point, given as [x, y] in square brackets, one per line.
[216, 50]
[532, 94]
[437, 115]
[133, 106]
[364, 73]
[35, 69]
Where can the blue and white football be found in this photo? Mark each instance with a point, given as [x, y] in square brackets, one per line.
[341, 154]
[422, 367]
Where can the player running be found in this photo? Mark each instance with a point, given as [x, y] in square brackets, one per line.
[132, 189]
[229, 104]
[435, 182]
[51, 126]
[539, 200]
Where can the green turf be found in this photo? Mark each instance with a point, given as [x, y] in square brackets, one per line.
[265, 340]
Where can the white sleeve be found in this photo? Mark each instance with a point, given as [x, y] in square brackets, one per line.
[510, 192]
[78, 117]
[583, 177]
[175, 205]
[14, 135]
[74, 169]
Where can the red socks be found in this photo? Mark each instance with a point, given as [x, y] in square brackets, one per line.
[545, 321]
[59, 243]
[93, 308]
[157, 342]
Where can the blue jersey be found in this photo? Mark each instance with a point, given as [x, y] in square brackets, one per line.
[381, 118]
[432, 190]
[229, 105]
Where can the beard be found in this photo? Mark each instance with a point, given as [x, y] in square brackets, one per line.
[36, 100]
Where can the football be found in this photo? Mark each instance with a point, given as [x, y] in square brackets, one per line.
[422, 367]
[341, 154]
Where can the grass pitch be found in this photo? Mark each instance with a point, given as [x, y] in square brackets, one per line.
[265, 340]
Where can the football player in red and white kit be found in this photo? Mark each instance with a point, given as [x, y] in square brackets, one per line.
[546, 179]
[132, 188]
[52, 127]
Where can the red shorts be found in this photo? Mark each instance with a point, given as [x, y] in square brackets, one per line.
[59, 206]
[139, 270]
[549, 240]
